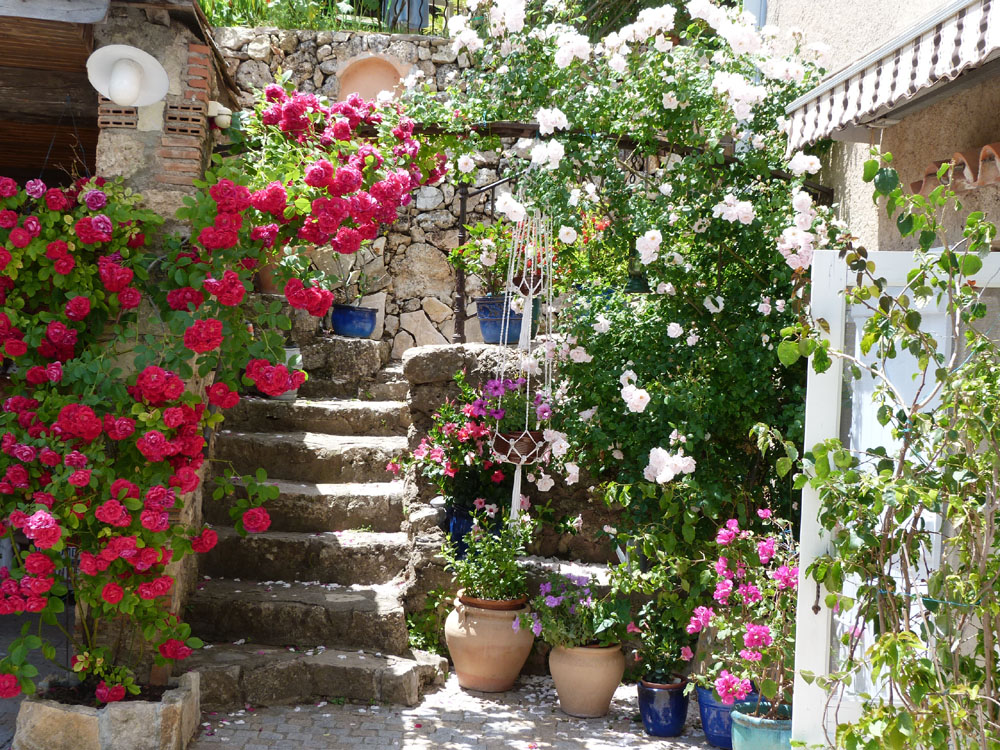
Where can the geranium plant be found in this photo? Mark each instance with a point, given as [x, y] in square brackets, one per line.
[456, 455]
[567, 612]
[491, 567]
[751, 622]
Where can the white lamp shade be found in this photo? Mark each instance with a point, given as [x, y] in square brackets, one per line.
[126, 75]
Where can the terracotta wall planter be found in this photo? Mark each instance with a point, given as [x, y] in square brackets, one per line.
[488, 653]
[586, 678]
[167, 724]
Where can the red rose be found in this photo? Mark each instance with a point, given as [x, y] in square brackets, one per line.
[112, 593]
[78, 308]
[15, 347]
[113, 513]
[118, 428]
[78, 421]
[129, 298]
[9, 686]
[204, 335]
[113, 276]
[38, 564]
[109, 693]
[229, 291]
[186, 479]
[20, 237]
[256, 520]
[79, 478]
[174, 649]
[49, 457]
[223, 396]
[205, 541]
[56, 200]
[123, 485]
[183, 298]
[154, 520]
[155, 446]
[5, 257]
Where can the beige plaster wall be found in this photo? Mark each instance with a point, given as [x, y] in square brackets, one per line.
[964, 121]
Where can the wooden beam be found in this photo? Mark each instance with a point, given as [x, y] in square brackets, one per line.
[41, 96]
[67, 11]
[45, 45]
[24, 147]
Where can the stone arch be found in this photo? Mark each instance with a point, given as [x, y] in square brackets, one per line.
[369, 74]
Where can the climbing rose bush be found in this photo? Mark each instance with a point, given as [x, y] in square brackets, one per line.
[119, 361]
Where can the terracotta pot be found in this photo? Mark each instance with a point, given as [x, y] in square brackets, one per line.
[497, 605]
[586, 678]
[266, 281]
[531, 282]
[488, 653]
[519, 447]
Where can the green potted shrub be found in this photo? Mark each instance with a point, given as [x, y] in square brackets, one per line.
[486, 647]
[664, 658]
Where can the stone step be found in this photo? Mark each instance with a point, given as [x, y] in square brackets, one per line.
[236, 675]
[311, 507]
[390, 384]
[350, 557]
[310, 456]
[334, 417]
[277, 613]
[345, 360]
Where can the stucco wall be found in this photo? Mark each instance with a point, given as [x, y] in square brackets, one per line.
[963, 122]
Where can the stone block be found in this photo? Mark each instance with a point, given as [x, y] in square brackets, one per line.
[47, 725]
[378, 302]
[436, 364]
[423, 331]
[400, 344]
[220, 686]
[429, 198]
[288, 41]
[130, 725]
[276, 683]
[232, 37]
[253, 74]
[260, 49]
[436, 310]
[424, 271]
[400, 684]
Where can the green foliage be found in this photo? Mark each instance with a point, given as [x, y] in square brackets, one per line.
[360, 15]
[426, 626]
[491, 568]
[933, 622]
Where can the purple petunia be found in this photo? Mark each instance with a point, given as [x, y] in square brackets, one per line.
[494, 388]
[536, 626]
[544, 411]
[497, 414]
[553, 601]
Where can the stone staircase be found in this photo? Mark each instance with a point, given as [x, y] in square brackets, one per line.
[313, 608]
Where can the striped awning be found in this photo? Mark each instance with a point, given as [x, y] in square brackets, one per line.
[962, 36]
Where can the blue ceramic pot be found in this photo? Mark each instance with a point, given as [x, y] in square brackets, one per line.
[458, 523]
[491, 310]
[754, 733]
[355, 322]
[716, 718]
[663, 708]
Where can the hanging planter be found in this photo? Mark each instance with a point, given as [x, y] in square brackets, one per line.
[525, 447]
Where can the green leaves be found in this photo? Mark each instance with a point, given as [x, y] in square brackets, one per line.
[788, 353]
[886, 180]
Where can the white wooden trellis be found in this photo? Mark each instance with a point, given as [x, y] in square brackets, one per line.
[816, 630]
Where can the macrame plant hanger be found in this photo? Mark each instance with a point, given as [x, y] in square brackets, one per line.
[529, 277]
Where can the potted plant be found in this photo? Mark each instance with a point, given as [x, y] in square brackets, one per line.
[518, 417]
[349, 318]
[456, 456]
[486, 645]
[664, 658]
[752, 626]
[487, 255]
[585, 633]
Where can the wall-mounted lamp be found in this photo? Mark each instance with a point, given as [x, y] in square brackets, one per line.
[221, 116]
[126, 75]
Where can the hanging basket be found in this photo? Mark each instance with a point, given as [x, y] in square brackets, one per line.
[530, 282]
[519, 447]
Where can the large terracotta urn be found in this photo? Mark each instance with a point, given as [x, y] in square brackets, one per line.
[488, 653]
[586, 678]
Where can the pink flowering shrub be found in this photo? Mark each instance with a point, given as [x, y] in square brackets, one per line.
[750, 626]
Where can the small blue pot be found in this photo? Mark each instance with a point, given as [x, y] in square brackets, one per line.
[663, 708]
[458, 523]
[716, 718]
[491, 310]
[355, 322]
[754, 733]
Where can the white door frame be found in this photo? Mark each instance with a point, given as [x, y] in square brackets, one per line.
[813, 647]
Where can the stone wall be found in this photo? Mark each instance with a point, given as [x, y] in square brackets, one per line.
[412, 284]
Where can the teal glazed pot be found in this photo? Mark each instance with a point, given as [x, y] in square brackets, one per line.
[757, 733]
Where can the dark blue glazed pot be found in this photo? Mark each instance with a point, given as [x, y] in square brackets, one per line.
[490, 311]
[716, 718]
[663, 708]
[355, 322]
